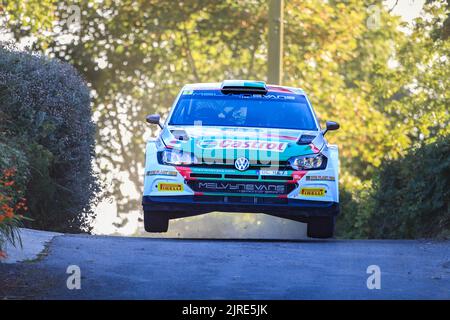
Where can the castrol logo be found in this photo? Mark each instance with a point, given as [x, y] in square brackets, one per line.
[243, 144]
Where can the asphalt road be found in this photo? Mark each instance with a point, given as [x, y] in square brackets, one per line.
[145, 268]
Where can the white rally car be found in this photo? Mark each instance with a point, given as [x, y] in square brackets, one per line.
[241, 146]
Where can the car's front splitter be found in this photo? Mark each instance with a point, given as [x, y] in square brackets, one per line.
[182, 206]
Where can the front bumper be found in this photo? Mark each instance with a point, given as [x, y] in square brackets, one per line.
[187, 205]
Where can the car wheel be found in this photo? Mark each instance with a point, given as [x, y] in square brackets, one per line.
[321, 227]
[155, 221]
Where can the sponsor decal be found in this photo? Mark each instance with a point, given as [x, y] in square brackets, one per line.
[239, 187]
[161, 173]
[171, 187]
[272, 173]
[312, 192]
[320, 178]
[276, 96]
[239, 96]
[243, 144]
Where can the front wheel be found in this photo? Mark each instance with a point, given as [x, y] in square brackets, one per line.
[156, 221]
[321, 227]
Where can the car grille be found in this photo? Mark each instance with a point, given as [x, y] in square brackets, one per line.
[242, 187]
[205, 175]
[254, 165]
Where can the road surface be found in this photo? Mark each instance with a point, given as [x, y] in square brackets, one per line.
[148, 268]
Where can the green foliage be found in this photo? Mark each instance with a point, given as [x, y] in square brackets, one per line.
[13, 178]
[357, 206]
[410, 198]
[46, 113]
[412, 195]
[11, 157]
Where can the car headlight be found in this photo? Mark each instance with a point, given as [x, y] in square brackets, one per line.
[309, 162]
[177, 157]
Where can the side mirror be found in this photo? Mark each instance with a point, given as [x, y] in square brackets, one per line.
[331, 125]
[154, 119]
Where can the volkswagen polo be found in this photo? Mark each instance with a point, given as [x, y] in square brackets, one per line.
[241, 146]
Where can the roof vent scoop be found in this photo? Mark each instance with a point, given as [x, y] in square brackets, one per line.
[305, 139]
[243, 86]
[180, 135]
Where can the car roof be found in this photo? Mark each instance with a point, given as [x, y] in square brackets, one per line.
[217, 86]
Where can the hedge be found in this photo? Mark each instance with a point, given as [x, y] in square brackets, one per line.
[46, 113]
[409, 198]
[412, 195]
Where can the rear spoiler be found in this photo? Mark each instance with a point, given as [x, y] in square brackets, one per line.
[243, 86]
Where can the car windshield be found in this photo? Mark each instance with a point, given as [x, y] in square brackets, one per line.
[273, 110]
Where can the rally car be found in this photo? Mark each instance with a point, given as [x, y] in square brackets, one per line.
[241, 146]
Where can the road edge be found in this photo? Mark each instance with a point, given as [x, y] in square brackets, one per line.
[34, 242]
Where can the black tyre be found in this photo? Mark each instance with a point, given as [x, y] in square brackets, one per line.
[321, 227]
[155, 221]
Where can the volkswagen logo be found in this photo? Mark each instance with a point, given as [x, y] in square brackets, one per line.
[242, 164]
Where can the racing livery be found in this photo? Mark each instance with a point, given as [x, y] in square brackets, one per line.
[241, 146]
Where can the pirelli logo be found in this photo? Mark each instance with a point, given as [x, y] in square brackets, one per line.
[312, 192]
[170, 187]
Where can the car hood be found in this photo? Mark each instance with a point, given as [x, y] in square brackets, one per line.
[256, 144]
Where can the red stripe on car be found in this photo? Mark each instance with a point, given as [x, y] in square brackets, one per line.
[298, 175]
[185, 172]
[314, 148]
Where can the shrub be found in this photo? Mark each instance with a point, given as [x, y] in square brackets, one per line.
[412, 195]
[409, 198]
[45, 110]
[356, 208]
